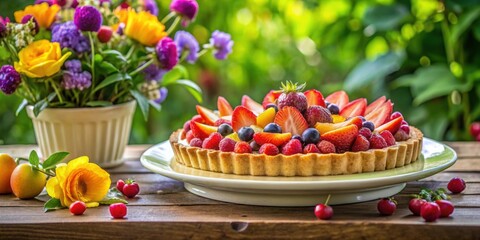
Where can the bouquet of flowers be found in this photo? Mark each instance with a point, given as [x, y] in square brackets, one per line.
[91, 53]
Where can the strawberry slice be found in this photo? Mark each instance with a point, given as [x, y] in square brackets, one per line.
[380, 115]
[242, 117]
[224, 107]
[342, 138]
[208, 115]
[375, 104]
[340, 98]
[201, 130]
[291, 120]
[354, 108]
[392, 126]
[271, 97]
[277, 139]
[250, 104]
[314, 97]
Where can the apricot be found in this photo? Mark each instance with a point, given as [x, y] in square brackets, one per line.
[7, 165]
[27, 182]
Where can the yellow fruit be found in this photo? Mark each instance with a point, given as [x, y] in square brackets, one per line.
[27, 182]
[266, 117]
[337, 118]
[233, 136]
[7, 165]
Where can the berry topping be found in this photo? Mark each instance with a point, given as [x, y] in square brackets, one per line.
[186, 126]
[354, 108]
[208, 115]
[292, 96]
[272, 128]
[377, 142]
[430, 211]
[272, 105]
[293, 146]
[291, 120]
[224, 107]
[326, 147]
[78, 208]
[227, 145]
[339, 98]
[269, 149]
[277, 139]
[298, 137]
[221, 121]
[251, 105]
[212, 141]
[242, 117]
[311, 135]
[266, 117]
[361, 143]
[333, 108]
[254, 145]
[456, 185]
[446, 207]
[242, 147]
[316, 114]
[380, 115]
[314, 98]
[368, 125]
[246, 134]
[366, 132]
[202, 131]
[271, 98]
[415, 205]
[405, 128]
[386, 206]
[392, 126]
[342, 138]
[225, 129]
[196, 142]
[189, 136]
[375, 104]
[197, 118]
[396, 115]
[401, 136]
[389, 139]
[118, 210]
[311, 148]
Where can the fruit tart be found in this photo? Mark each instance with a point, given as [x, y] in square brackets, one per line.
[297, 133]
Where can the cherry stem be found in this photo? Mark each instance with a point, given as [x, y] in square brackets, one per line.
[328, 199]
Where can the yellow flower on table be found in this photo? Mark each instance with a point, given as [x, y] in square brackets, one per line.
[143, 27]
[44, 14]
[79, 180]
[41, 58]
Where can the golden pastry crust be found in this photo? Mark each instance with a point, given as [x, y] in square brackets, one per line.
[311, 164]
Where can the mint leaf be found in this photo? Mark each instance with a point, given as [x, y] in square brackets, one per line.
[54, 159]
[113, 196]
[52, 204]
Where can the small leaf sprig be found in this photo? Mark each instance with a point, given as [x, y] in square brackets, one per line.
[431, 195]
[46, 167]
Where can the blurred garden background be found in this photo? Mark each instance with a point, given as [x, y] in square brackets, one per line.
[420, 53]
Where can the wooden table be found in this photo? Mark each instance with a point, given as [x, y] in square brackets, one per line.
[165, 210]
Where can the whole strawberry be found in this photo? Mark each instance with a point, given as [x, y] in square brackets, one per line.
[130, 189]
[292, 96]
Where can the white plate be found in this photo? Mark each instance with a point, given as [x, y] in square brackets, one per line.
[298, 191]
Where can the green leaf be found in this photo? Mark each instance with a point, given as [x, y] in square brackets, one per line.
[113, 56]
[175, 74]
[155, 105]
[142, 102]
[193, 88]
[385, 17]
[108, 67]
[22, 105]
[54, 159]
[113, 196]
[99, 103]
[52, 204]
[42, 104]
[33, 158]
[464, 22]
[4, 53]
[117, 77]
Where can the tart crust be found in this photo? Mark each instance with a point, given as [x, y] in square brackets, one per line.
[311, 164]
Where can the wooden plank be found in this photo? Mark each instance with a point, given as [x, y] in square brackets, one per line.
[465, 149]
[465, 165]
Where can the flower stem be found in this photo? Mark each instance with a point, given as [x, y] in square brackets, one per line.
[130, 51]
[57, 91]
[145, 65]
[168, 17]
[92, 46]
[174, 25]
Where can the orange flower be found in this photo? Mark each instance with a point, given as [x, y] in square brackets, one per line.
[144, 27]
[44, 14]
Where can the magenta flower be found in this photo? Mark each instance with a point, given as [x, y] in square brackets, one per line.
[87, 18]
[9, 79]
[3, 30]
[222, 43]
[167, 53]
[186, 8]
[49, 2]
[150, 6]
[27, 18]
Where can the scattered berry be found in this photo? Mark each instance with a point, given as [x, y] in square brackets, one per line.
[196, 142]
[326, 147]
[130, 189]
[377, 142]
[271, 105]
[311, 148]
[396, 115]
[475, 129]
[389, 139]
[212, 141]
[430, 211]
[369, 125]
[401, 135]
[118, 210]
[386, 206]
[415, 205]
[366, 132]
[311, 135]
[361, 143]
[405, 128]
[221, 121]
[189, 136]
[227, 145]
[324, 211]
[242, 147]
[225, 129]
[269, 149]
[120, 184]
[78, 208]
[446, 207]
[272, 128]
[456, 185]
[254, 145]
[246, 134]
[293, 146]
[333, 108]
[316, 114]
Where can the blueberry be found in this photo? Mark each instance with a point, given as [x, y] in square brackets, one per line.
[246, 134]
[271, 105]
[272, 128]
[311, 135]
[254, 145]
[363, 118]
[225, 129]
[368, 125]
[327, 103]
[333, 108]
[298, 137]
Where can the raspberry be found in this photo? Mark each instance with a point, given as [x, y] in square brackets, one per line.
[456, 185]
[326, 147]
[400, 135]
[475, 129]
[430, 211]
[395, 115]
[311, 148]
[446, 207]
[377, 142]
[186, 126]
[120, 184]
[405, 128]
[269, 149]
[389, 139]
[227, 145]
[131, 189]
[212, 141]
[221, 121]
[386, 206]
[189, 136]
[196, 142]
[242, 147]
[118, 210]
[366, 132]
[78, 208]
[293, 146]
[361, 144]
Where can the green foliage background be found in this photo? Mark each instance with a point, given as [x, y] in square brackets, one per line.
[419, 53]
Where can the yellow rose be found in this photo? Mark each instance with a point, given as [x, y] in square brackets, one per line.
[143, 27]
[43, 13]
[79, 180]
[41, 59]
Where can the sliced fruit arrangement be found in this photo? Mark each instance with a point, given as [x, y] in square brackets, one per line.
[293, 121]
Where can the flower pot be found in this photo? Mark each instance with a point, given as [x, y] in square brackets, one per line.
[99, 133]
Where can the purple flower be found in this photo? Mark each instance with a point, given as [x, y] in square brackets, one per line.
[87, 18]
[49, 2]
[186, 42]
[3, 30]
[186, 8]
[222, 43]
[167, 53]
[74, 4]
[153, 73]
[69, 36]
[27, 18]
[73, 66]
[9, 79]
[150, 6]
[78, 80]
[163, 92]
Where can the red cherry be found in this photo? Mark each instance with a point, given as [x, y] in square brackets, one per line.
[446, 207]
[323, 211]
[131, 189]
[456, 185]
[395, 115]
[478, 138]
[475, 129]
[415, 205]
[386, 206]
[120, 184]
[430, 211]
[118, 210]
[78, 208]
